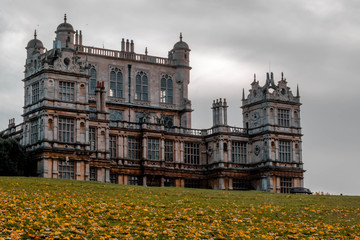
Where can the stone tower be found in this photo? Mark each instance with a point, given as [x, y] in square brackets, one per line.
[271, 115]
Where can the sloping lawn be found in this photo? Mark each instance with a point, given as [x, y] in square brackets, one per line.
[37, 208]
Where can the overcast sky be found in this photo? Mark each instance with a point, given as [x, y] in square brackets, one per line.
[316, 43]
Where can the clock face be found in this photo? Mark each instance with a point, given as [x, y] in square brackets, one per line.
[255, 116]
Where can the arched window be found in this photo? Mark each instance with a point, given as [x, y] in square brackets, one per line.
[92, 85]
[142, 86]
[116, 83]
[166, 95]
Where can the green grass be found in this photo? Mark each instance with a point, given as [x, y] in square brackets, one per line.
[36, 208]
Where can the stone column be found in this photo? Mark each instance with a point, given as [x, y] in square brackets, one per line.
[162, 149]
[221, 184]
[182, 160]
[144, 148]
[177, 151]
[221, 151]
[229, 158]
[144, 181]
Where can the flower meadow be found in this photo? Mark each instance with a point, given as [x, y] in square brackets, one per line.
[37, 208]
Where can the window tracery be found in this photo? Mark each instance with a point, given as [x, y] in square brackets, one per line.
[116, 83]
[166, 94]
[142, 86]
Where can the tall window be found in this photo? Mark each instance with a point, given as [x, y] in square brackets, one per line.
[112, 146]
[93, 175]
[66, 130]
[142, 86]
[134, 180]
[66, 91]
[284, 151]
[169, 182]
[113, 178]
[116, 83]
[238, 152]
[92, 85]
[285, 184]
[34, 131]
[153, 149]
[92, 138]
[134, 148]
[192, 153]
[169, 151]
[284, 117]
[66, 169]
[166, 95]
[35, 92]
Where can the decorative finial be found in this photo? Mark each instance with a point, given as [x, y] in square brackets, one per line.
[254, 77]
[282, 76]
[297, 91]
[65, 18]
[146, 51]
[180, 36]
[243, 94]
[35, 35]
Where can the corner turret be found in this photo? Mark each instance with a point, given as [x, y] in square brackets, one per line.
[34, 46]
[64, 35]
[180, 53]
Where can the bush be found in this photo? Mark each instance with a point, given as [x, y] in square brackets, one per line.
[13, 159]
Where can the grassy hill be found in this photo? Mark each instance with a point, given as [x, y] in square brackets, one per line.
[38, 208]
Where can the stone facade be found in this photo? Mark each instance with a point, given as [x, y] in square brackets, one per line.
[122, 117]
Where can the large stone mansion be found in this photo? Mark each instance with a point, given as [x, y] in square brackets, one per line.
[122, 117]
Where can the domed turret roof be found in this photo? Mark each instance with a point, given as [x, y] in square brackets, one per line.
[35, 43]
[65, 27]
[181, 44]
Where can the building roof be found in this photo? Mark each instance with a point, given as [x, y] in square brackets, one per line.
[181, 44]
[65, 27]
[35, 43]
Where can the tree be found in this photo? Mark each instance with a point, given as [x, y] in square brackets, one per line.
[12, 157]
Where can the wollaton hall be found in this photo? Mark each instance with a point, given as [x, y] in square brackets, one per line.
[117, 116]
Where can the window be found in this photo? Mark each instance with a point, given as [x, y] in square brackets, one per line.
[116, 83]
[284, 151]
[35, 92]
[92, 138]
[66, 91]
[284, 117]
[153, 149]
[112, 146]
[116, 115]
[141, 86]
[134, 148]
[34, 131]
[169, 151]
[134, 180]
[166, 94]
[192, 153]
[93, 175]
[238, 152]
[139, 117]
[192, 183]
[66, 130]
[169, 182]
[92, 80]
[92, 111]
[113, 178]
[66, 169]
[240, 184]
[285, 184]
